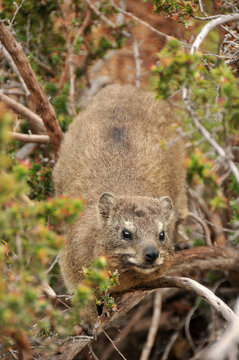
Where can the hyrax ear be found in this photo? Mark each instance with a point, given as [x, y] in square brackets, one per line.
[105, 204]
[167, 207]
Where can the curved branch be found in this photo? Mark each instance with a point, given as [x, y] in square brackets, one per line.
[186, 262]
[209, 26]
[204, 226]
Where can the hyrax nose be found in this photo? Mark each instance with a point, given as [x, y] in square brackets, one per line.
[151, 254]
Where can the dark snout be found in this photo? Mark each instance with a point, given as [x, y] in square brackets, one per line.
[151, 254]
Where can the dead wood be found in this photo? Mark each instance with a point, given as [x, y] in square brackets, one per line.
[43, 105]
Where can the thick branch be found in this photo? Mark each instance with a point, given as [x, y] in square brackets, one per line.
[43, 105]
[40, 139]
[34, 120]
[188, 262]
[185, 263]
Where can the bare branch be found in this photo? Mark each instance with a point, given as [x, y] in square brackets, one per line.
[172, 340]
[153, 328]
[15, 14]
[35, 120]
[146, 24]
[70, 62]
[206, 17]
[50, 293]
[208, 136]
[204, 226]
[124, 333]
[26, 151]
[187, 323]
[200, 290]
[15, 69]
[209, 26]
[53, 264]
[137, 62]
[40, 139]
[227, 342]
[114, 345]
[101, 16]
[45, 108]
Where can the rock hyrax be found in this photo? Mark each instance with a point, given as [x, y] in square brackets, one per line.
[124, 156]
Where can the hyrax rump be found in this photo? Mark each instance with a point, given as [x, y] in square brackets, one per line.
[123, 155]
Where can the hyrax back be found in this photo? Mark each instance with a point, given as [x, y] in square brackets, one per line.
[123, 155]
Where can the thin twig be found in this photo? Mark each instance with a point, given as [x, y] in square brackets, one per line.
[227, 342]
[172, 340]
[52, 265]
[206, 17]
[137, 62]
[15, 69]
[146, 24]
[153, 328]
[72, 79]
[70, 62]
[91, 352]
[204, 226]
[15, 14]
[113, 344]
[208, 136]
[220, 227]
[187, 323]
[195, 46]
[124, 333]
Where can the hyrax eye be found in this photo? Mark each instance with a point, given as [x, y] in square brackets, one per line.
[162, 236]
[126, 235]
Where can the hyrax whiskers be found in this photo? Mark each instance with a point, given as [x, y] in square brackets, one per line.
[122, 154]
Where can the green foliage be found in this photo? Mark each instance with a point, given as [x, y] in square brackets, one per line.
[178, 10]
[214, 96]
[29, 240]
[100, 280]
[199, 169]
[198, 242]
[39, 16]
[176, 69]
[40, 181]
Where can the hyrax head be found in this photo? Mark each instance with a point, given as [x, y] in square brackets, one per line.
[136, 233]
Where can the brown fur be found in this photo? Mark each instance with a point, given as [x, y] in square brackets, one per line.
[116, 147]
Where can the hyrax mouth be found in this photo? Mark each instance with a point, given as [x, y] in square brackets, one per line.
[145, 269]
